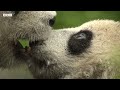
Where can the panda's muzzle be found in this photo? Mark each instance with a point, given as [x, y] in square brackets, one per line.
[79, 42]
[21, 51]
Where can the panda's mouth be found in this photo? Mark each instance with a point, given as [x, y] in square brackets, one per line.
[26, 51]
[36, 43]
[29, 44]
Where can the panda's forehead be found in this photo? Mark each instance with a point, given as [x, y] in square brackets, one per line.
[100, 25]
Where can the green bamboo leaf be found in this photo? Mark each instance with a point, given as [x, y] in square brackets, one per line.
[24, 42]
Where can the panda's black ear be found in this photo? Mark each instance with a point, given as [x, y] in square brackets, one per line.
[79, 42]
[52, 21]
[15, 13]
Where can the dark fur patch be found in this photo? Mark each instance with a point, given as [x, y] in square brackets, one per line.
[52, 21]
[16, 12]
[79, 42]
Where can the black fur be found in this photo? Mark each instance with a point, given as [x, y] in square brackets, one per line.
[52, 21]
[16, 13]
[78, 43]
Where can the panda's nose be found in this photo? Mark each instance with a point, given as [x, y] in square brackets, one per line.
[79, 42]
[52, 21]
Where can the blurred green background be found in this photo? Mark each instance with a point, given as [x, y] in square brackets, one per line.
[66, 19]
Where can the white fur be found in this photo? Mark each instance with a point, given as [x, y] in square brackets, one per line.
[96, 63]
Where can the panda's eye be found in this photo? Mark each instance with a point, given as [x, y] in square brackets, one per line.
[83, 35]
[79, 42]
[80, 36]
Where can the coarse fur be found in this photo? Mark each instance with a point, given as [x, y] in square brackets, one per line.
[30, 25]
[99, 60]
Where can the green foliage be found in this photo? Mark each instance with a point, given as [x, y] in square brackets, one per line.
[24, 43]
[67, 19]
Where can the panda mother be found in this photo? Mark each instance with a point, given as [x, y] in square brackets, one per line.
[90, 51]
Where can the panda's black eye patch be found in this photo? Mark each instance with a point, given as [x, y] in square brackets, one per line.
[79, 42]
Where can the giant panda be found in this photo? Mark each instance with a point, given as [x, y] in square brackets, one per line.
[15, 25]
[89, 51]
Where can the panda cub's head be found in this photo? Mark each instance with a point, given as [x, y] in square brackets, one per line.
[22, 25]
[30, 25]
[91, 50]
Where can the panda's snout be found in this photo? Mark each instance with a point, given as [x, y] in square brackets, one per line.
[79, 42]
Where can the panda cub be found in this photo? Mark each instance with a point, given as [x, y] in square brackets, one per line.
[28, 25]
[90, 51]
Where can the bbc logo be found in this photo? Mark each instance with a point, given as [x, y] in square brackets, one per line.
[7, 15]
